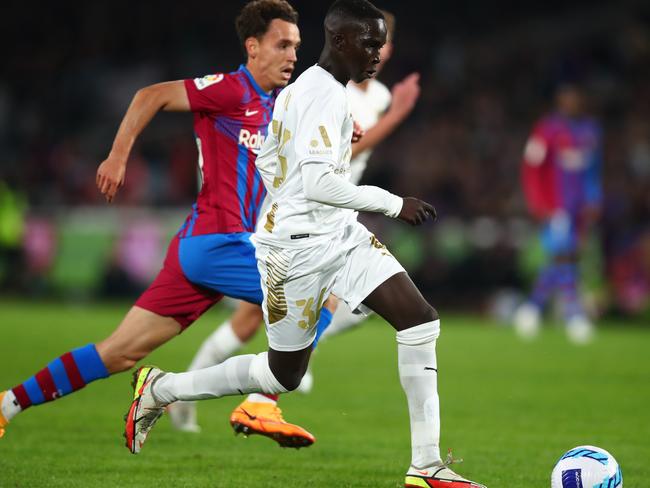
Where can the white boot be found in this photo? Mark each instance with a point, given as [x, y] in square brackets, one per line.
[527, 321]
[580, 330]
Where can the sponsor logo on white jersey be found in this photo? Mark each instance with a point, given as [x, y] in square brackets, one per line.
[251, 140]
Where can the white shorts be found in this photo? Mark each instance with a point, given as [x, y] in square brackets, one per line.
[296, 281]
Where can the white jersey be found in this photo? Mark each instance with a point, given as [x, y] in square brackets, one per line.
[367, 106]
[311, 124]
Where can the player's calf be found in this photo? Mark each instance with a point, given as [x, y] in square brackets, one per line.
[62, 376]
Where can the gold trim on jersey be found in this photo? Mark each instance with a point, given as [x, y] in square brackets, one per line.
[270, 218]
[277, 266]
[325, 136]
[282, 167]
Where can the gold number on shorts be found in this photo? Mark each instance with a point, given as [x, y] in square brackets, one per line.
[309, 312]
[374, 242]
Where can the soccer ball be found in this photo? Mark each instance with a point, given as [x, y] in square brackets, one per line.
[587, 467]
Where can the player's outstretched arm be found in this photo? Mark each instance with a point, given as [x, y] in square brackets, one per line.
[147, 102]
[321, 185]
[404, 95]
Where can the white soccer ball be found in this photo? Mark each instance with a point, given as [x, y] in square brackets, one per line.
[587, 467]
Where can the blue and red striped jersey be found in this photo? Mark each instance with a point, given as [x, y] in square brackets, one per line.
[231, 115]
[562, 165]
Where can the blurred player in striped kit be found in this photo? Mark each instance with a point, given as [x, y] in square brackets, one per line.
[378, 112]
[211, 256]
[561, 177]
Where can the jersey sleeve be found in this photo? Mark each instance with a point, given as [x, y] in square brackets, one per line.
[322, 185]
[535, 168]
[320, 119]
[537, 146]
[213, 93]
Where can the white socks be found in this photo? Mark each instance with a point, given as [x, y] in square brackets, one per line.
[10, 406]
[238, 375]
[218, 347]
[343, 319]
[259, 398]
[418, 372]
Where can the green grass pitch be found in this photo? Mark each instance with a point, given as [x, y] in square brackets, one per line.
[509, 409]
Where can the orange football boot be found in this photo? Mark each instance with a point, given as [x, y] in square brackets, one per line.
[266, 419]
[3, 421]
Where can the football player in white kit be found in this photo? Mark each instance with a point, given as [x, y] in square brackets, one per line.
[311, 245]
[378, 112]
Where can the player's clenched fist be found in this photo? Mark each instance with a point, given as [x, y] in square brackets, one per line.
[415, 211]
[357, 132]
[110, 176]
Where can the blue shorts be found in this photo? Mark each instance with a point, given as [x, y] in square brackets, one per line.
[224, 263]
[560, 235]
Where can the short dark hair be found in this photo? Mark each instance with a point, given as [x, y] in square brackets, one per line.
[354, 10]
[390, 24]
[256, 16]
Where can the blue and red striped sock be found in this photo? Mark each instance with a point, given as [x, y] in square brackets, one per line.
[66, 374]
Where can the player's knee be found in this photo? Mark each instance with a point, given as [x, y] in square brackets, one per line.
[429, 314]
[422, 314]
[246, 329]
[292, 382]
[289, 378]
[331, 303]
[246, 321]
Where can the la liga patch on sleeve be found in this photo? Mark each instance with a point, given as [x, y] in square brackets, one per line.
[206, 81]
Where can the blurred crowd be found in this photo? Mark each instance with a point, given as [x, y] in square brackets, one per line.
[486, 78]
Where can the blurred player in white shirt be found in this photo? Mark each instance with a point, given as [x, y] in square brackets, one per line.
[310, 245]
[378, 111]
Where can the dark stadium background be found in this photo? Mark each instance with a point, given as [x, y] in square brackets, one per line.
[488, 68]
[70, 265]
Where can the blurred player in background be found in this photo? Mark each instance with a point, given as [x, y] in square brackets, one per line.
[562, 183]
[311, 245]
[379, 113]
[211, 255]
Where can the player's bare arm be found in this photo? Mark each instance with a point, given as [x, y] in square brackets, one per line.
[404, 95]
[169, 96]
